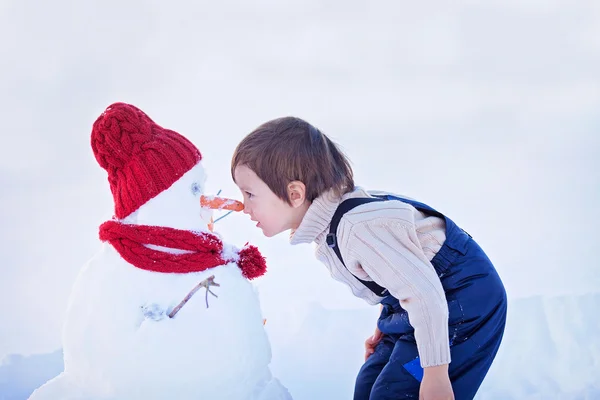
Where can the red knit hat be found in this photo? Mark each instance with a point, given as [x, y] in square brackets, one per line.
[142, 158]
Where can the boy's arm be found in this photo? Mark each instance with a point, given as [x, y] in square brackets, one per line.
[388, 250]
[436, 384]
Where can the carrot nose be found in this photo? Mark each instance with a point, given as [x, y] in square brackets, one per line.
[220, 203]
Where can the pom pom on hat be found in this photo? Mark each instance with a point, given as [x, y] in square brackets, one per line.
[142, 159]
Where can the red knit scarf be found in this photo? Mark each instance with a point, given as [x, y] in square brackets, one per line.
[205, 249]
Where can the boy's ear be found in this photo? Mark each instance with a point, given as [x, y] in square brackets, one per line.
[296, 193]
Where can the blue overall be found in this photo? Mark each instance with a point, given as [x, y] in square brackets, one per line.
[477, 315]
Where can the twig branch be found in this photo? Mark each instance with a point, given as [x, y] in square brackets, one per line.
[207, 283]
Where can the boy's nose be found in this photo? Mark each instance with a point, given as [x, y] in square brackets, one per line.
[246, 209]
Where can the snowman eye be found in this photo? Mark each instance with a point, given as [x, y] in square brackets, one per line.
[196, 188]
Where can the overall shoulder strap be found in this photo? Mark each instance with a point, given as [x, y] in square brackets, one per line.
[416, 204]
[332, 242]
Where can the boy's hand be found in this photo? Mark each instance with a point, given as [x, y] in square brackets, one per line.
[436, 384]
[372, 342]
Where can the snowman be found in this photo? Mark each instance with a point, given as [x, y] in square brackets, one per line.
[165, 310]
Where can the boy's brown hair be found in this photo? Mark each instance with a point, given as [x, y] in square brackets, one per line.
[290, 149]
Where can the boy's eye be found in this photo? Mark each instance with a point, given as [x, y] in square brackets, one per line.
[249, 194]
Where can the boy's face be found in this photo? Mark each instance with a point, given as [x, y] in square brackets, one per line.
[271, 214]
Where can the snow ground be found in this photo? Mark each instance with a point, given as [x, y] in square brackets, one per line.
[551, 350]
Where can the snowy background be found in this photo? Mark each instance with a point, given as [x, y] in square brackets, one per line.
[488, 111]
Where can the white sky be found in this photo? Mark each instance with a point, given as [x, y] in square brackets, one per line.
[488, 112]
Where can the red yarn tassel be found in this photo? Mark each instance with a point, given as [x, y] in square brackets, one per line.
[251, 262]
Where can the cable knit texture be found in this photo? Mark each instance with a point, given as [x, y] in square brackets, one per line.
[142, 158]
[391, 243]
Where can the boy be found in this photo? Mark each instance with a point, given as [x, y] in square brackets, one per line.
[440, 295]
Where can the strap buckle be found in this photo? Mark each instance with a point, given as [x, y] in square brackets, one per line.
[331, 240]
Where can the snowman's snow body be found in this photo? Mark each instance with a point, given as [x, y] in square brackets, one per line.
[119, 341]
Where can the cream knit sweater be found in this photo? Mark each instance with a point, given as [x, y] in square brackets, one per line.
[391, 243]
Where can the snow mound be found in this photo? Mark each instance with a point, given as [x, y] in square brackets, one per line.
[551, 350]
[20, 375]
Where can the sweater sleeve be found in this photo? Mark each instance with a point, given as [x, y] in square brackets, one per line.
[388, 251]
